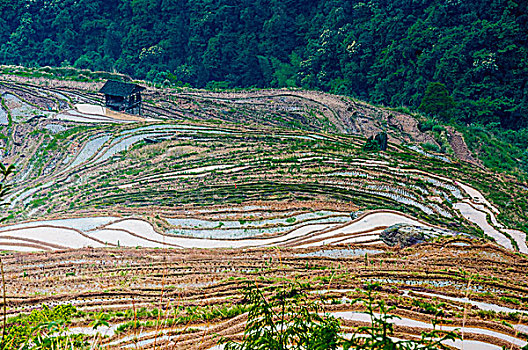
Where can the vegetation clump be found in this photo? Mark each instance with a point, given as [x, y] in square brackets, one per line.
[437, 101]
[289, 319]
[376, 143]
[43, 328]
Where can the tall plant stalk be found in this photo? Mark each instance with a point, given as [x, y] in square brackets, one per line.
[4, 190]
[4, 309]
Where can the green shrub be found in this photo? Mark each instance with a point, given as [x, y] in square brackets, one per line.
[438, 128]
[376, 143]
[426, 125]
[288, 319]
[44, 328]
[431, 147]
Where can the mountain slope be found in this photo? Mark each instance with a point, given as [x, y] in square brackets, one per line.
[196, 153]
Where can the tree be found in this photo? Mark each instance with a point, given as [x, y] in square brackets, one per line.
[437, 101]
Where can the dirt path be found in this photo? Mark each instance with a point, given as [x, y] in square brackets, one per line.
[460, 147]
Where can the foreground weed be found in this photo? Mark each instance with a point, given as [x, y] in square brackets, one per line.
[289, 320]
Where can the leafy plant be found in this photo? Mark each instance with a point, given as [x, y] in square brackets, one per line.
[42, 329]
[288, 319]
[379, 334]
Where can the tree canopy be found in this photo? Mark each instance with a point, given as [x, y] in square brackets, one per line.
[437, 101]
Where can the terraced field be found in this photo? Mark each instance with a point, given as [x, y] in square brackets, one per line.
[186, 298]
[278, 182]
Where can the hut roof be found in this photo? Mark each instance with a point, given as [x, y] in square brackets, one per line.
[118, 88]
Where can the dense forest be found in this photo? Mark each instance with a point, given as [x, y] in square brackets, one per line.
[384, 51]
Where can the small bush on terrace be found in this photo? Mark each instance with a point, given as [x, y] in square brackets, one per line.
[42, 329]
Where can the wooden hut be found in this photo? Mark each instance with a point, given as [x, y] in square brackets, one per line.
[123, 97]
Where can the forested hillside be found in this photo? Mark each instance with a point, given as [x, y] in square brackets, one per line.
[383, 51]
